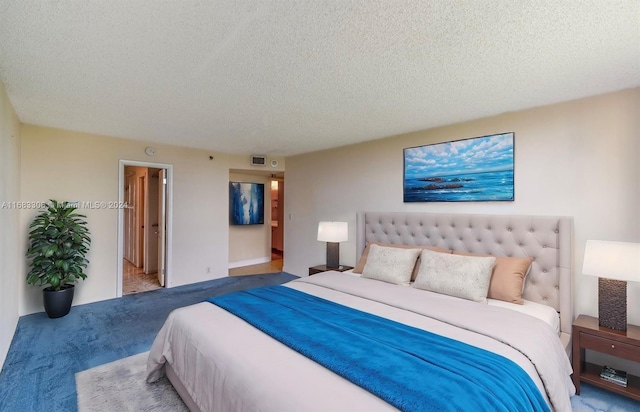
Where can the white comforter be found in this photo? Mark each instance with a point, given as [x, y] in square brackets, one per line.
[227, 365]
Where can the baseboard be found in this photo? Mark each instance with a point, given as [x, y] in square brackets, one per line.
[249, 262]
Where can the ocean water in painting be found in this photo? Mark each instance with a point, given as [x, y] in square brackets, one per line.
[246, 203]
[479, 169]
[461, 188]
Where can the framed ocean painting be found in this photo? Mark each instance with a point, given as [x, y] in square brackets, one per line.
[468, 170]
[246, 203]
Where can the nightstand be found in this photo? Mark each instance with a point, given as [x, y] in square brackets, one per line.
[323, 268]
[587, 334]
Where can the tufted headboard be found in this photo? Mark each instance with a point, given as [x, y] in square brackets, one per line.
[547, 239]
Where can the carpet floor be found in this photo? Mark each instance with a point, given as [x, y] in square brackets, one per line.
[38, 374]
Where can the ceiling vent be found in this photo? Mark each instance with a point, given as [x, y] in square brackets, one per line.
[258, 160]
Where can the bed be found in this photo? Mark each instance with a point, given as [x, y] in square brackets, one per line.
[219, 362]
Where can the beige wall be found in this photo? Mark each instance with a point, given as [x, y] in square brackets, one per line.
[251, 244]
[77, 166]
[11, 262]
[578, 158]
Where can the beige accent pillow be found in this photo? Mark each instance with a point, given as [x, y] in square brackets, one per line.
[365, 254]
[464, 277]
[508, 277]
[390, 264]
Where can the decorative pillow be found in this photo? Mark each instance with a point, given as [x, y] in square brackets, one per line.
[508, 276]
[464, 277]
[390, 264]
[365, 254]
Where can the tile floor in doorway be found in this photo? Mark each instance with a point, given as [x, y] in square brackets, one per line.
[134, 280]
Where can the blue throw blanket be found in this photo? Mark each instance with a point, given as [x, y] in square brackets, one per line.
[409, 368]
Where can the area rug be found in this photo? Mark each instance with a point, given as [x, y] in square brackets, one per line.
[121, 386]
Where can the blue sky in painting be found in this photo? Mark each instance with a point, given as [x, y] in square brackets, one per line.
[484, 154]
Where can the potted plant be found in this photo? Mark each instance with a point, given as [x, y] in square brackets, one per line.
[58, 242]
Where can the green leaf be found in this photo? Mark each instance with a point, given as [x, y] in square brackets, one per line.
[50, 251]
[58, 243]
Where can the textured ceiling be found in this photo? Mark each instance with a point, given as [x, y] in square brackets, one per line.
[287, 77]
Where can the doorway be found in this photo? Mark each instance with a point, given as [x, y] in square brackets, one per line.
[144, 227]
[277, 221]
[272, 233]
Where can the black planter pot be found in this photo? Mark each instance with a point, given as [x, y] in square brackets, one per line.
[57, 303]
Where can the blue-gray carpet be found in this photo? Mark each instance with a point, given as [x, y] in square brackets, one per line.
[38, 374]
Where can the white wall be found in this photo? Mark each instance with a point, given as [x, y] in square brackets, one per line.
[578, 158]
[251, 244]
[67, 165]
[11, 263]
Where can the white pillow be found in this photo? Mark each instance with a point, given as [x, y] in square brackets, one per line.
[465, 277]
[390, 264]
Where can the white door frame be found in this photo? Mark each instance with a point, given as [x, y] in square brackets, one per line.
[169, 214]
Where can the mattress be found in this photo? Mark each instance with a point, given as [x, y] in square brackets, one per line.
[227, 365]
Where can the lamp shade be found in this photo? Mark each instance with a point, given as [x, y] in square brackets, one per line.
[612, 260]
[333, 231]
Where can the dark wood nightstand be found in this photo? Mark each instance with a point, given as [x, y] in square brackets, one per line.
[323, 268]
[587, 334]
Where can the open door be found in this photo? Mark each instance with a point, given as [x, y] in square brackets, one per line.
[162, 224]
[141, 218]
[151, 226]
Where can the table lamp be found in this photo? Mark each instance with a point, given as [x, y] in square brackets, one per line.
[333, 233]
[614, 263]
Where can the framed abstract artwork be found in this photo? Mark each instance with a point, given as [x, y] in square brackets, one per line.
[246, 203]
[467, 170]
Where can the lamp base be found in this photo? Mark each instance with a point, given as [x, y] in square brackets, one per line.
[333, 255]
[612, 304]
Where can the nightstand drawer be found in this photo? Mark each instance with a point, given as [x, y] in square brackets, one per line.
[609, 346]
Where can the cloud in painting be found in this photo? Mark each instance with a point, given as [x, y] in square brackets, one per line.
[477, 155]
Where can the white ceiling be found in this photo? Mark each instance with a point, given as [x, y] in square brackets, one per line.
[287, 77]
